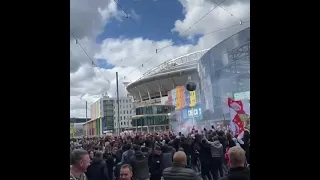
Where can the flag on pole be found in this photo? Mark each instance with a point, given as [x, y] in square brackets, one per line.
[236, 125]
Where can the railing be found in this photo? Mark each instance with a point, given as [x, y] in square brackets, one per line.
[195, 56]
[147, 102]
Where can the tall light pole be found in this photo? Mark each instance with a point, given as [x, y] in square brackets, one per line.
[118, 103]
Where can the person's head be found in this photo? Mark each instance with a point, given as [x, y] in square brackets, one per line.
[237, 157]
[126, 147]
[80, 159]
[91, 154]
[215, 138]
[165, 148]
[229, 136]
[114, 150]
[157, 150]
[136, 147]
[220, 133]
[98, 154]
[125, 172]
[180, 158]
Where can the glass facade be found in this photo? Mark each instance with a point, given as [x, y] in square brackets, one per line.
[150, 120]
[154, 109]
[224, 71]
[153, 115]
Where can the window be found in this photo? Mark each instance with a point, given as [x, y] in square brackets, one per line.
[127, 106]
[120, 117]
[121, 123]
[124, 117]
[124, 123]
[130, 105]
[127, 112]
[126, 100]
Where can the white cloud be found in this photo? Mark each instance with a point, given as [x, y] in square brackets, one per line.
[88, 84]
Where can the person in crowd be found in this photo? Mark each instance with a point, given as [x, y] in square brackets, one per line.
[127, 153]
[91, 154]
[179, 171]
[205, 159]
[223, 140]
[237, 165]
[98, 169]
[156, 164]
[186, 147]
[216, 155]
[195, 145]
[167, 156]
[110, 160]
[118, 154]
[139, 163]
[80, 161]
[126, 172]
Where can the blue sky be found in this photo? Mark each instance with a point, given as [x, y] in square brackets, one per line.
[156, 19]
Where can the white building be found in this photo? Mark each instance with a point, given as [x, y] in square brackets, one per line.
[126, 111]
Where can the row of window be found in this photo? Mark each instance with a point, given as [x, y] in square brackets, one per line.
[154, 109]
[123, 117]
[151, 120]
[125, 106]
[125, 123]
[128, 112]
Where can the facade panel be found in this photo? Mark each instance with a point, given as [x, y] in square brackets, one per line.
[224, 71]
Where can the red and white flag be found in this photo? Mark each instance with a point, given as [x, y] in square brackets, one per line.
[237, 126]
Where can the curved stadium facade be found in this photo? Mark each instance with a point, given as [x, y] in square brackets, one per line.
[220, 72]
[151, 90]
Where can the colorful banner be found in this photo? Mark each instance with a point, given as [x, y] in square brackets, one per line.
[169, 98]
[174, 97]
[194, 112]
[193, 98]
[180, 100]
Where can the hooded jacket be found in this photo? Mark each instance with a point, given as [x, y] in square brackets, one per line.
[97, 170]
[140, 166]
[216, 148]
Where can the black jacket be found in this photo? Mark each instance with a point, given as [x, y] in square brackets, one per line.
[156, 164]
[97, 170]
[205, 154]
[140, 167]
[179, 172]
[240, 173]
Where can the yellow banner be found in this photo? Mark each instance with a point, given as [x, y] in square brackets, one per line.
[193, 98]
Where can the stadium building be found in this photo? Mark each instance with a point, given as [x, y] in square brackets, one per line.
[224, 71]
[160, 95]
[220, 72]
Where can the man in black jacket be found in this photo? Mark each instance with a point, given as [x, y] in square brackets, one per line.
[156, 164]
[98, 169]
[205, 159]
[179, 170]
[237, 165]
[140, 166]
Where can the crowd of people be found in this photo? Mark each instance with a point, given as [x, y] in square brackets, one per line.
[211, 155]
